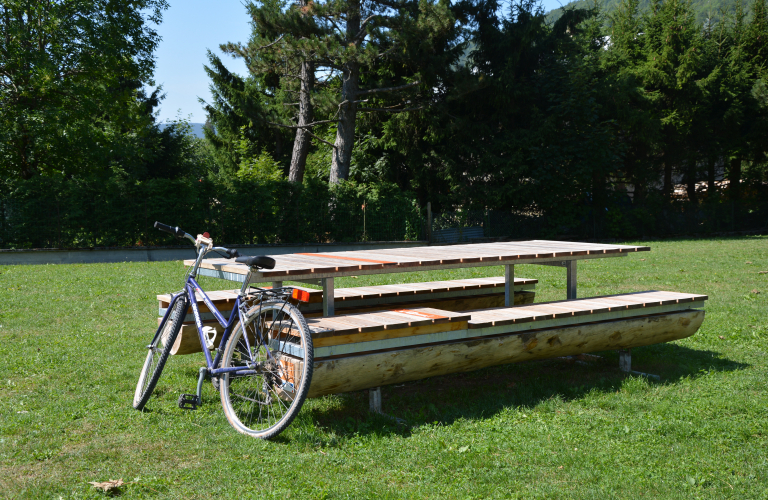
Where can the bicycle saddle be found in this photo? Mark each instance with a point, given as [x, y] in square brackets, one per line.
[260, 261]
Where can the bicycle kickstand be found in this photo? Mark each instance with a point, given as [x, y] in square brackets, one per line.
[194, 401]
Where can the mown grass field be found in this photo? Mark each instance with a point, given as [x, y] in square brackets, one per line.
[71, 341]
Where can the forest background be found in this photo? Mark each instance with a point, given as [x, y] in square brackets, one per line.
[631, 120]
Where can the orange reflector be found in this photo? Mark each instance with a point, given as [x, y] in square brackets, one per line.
[300, 295]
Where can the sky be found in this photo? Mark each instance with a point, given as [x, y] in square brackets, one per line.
[190, 27]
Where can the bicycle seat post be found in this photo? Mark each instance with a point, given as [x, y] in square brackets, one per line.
[246, 283]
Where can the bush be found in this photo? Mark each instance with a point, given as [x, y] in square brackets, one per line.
[48, 212]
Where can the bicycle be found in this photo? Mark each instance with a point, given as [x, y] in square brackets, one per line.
[263, 362]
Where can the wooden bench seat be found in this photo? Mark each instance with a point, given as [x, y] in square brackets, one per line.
[349, 357]
[454, 295]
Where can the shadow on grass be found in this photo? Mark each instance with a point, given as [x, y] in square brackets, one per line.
[483, 393]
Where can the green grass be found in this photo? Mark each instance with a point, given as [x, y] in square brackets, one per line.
[71, 348]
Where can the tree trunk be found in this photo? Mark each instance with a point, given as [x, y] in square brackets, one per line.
[345, 130]
[711, 186]
[734, 192]
[302, 141]
[734, 178]
[691, 180]
[667, 189]
[598, 203]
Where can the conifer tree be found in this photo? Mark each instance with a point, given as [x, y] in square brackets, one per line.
[390, 47]
[233, 117]
[669, 73]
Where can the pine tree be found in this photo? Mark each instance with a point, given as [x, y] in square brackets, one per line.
[669, 72]
[637, 128]
[281, 52]
[235, 118]
[390, 47]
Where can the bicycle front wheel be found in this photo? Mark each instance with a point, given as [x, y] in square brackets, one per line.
[274, 350]
[159, 350]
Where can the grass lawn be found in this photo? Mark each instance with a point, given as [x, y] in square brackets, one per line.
[71, 345]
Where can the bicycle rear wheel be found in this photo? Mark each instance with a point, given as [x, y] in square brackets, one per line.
[159, 350]
[274, 349]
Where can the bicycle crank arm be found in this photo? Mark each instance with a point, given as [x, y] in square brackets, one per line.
[194, 401]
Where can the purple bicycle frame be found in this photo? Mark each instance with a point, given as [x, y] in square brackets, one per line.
[191, 287]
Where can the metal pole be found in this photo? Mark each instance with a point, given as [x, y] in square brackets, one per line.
[429, 222]
[571, 269]
[328, 297]
[374, 399]
[625, 360]
[509, 285]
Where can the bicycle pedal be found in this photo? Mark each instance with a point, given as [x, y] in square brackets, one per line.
[188, 402]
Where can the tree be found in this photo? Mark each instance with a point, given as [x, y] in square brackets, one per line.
[70, 78]
[280, 54]
[236, 126]
[393, 48]
[669, 72]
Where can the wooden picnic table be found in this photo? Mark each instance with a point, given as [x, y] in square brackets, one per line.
[322, 268]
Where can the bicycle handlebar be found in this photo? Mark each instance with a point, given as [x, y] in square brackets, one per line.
[231, 252]
[179, 233]
[176, 231]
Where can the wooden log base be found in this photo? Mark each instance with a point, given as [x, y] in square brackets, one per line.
[355, 373]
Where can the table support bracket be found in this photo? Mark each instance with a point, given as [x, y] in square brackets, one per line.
[328, 309]
[625, 365]
[625, 362]
[374, 404]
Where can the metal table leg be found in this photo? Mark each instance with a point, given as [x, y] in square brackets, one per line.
[328, 297]
[374, 399]
[509, 285]
[625, 365]
[571, 269]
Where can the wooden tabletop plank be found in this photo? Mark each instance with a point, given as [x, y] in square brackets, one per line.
[407, 257]
[541, 251]
[619, 248]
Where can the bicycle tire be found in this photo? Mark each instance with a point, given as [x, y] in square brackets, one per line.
[273, 386]
[158, 353]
